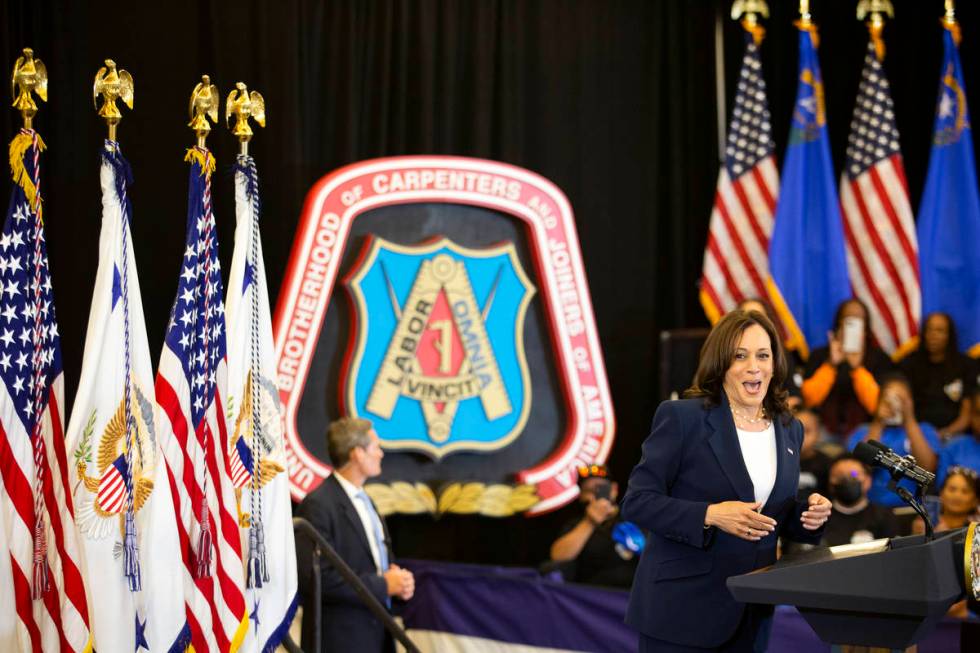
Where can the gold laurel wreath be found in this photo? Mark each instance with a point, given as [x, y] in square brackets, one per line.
[496, 500]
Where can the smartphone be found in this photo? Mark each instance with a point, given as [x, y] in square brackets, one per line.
[604, 491]
[852, 335]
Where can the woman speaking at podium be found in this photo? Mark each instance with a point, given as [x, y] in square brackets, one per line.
[716, 487]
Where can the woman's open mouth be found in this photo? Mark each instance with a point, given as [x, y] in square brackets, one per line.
[752, 387]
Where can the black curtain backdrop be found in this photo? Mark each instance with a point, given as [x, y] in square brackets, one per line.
[613, 100]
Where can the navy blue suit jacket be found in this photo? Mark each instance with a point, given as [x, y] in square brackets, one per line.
[347, 624]
[692, 458]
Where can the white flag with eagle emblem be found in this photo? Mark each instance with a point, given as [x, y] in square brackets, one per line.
[124, 511]
[257, 454]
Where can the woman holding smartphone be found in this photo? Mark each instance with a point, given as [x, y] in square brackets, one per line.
[841, 379]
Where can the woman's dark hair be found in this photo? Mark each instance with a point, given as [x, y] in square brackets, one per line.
[718, 353]
[758, 300]
[952, 343]
[839, 319]
[968, 475]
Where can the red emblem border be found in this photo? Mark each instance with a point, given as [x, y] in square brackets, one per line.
[331, 207]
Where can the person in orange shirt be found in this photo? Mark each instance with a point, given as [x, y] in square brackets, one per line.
[841, 379]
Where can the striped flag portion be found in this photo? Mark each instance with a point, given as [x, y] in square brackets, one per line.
[125, 515]
[258, 456]
[191, 388]
[112, 487]
[43, 599]
[241, 464]
[735, 259]
[879, 230]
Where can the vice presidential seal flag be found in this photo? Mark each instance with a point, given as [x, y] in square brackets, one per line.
[125, 514]
[43, 605]
[256, 449]
[191, 389]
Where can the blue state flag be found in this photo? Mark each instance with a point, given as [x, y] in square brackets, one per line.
[807, 260]
[949, 215]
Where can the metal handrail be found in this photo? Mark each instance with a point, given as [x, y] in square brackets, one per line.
[323, 548]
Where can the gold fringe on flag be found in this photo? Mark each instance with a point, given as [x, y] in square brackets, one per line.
[757, 31]
[18, 148]
[811, 27]
[200, 157]
[876, 29]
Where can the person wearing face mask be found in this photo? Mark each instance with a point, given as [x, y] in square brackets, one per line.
[716, 488]
[855, 519]
[895, 425]
[841, 379]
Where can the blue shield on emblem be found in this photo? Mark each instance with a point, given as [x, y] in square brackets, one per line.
[438, 362]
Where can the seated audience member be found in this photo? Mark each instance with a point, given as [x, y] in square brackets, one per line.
[841, 380]
[942, 378]
[794, 377]
[894, 424]
[959, 498]
[604, 548]
[854, 519]
[814, 461]
[963, 451]
[345, 516]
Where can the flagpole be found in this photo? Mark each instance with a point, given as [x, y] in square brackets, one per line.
[30, 75]
[242, 105]
[876, 24]
[112, 85]
[806, 19]
[751, 10]
[204, 105]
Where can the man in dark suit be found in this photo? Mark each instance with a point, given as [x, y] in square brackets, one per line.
[342, 512]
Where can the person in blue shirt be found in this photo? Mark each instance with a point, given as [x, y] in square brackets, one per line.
[963, 451]
[895, 426]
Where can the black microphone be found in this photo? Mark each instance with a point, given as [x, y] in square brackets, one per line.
[874, 454]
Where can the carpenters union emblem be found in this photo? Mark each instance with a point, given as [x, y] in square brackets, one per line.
[438, 363]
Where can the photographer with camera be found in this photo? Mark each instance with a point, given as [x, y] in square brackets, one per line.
[600, 548]
[895, 426]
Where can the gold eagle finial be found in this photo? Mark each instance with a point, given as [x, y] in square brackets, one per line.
[112, 85]
[204, 105]
[29, 75]
[244, 105]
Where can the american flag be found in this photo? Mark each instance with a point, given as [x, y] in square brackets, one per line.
[190, 388]
[882, 250]
[735, 259]
[43, 562]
